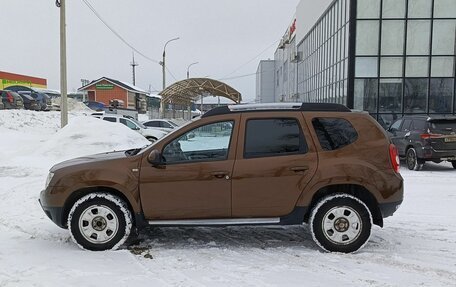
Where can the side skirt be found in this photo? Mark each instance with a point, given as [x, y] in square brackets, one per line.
[296, 217]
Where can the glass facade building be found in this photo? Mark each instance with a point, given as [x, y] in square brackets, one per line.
[386, 57]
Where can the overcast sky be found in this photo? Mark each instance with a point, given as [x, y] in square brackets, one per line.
[221, 35]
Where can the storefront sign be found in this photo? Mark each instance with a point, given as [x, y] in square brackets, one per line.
[104, 86]
[8, 83]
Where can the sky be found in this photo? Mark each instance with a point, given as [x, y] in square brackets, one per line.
[226, 37]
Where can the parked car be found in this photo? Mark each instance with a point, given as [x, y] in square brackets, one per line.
[163, 124]
[29, 102]
[424, 138]
[96, 106]
[275, 164]
[11, 100]
[2, 107]
[149, 133]
[44, 101]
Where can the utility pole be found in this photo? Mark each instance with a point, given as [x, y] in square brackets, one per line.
[134, 65]
[188, 69]
[63, 64]
[163, 64]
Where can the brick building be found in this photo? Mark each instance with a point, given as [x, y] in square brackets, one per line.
[105, 89]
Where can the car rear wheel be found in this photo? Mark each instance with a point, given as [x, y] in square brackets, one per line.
[412, 160]
[454, 164]
[100, 221]
[340, 223]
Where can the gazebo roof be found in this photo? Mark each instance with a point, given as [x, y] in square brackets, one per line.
[190, 90]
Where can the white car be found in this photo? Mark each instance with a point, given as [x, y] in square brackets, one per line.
[152, 134]
[165, 125]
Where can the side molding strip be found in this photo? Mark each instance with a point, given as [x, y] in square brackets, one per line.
[228, 221]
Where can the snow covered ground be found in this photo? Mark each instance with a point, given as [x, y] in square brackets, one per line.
[417, 247]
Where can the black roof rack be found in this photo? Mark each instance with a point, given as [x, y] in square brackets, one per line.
[306, 107]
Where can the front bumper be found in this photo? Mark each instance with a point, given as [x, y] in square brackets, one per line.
[54, 213]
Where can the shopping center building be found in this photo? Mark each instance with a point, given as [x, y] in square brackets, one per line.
[387, 57]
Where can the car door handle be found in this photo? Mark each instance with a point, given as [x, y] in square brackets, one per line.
[299, 168]
[221, 174]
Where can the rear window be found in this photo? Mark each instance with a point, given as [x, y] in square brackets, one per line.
[273, 137]
[334, 133]
[443, 126]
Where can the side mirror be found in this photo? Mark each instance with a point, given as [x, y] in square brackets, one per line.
[155, 158]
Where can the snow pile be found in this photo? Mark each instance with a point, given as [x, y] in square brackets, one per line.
[73, 105]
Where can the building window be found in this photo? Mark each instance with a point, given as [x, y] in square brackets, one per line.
[391, 67]
[444, 32]
[368, 9]
[390, 97]
[366, 93]
[419, 8]
[366, 67]
[417, 67]
[442, 67]
[367, 33]
[415, 96]
[393, 37]
[393, 9]
[441, 95]
[444, 8]
[418, 37]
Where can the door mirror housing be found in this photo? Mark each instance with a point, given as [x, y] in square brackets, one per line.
[155, 158]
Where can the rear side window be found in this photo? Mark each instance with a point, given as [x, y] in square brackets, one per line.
[419, 125]
[334, 133]
[273, 137]
[152, 124]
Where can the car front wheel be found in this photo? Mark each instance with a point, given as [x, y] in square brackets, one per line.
[340, 223]
[100, 221]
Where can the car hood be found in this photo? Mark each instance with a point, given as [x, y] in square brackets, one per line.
[89, 159]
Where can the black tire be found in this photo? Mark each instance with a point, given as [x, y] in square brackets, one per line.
[412, 160]
[100, 221]
[454, 164]
[340, 223]
[151, 139]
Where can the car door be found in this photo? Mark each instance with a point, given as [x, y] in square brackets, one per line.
[274, 163]
[403, 135]
[194, 181]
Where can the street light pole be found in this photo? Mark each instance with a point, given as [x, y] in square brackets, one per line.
[163, 64]
[188, 69]
[63, 65]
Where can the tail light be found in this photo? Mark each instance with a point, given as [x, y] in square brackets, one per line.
[394, 157]
[427, 136]
[9, 98]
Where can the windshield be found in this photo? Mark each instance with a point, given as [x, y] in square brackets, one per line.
[137, 123]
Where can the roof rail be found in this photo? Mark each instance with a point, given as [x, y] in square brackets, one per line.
[308, 107]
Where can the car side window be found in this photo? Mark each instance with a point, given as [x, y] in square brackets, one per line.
[153, 124]
[419, 125]
[396, 125]
[206, 143]
[334, 133]
[406, 125]
[108, 119]
[166, 125]
[128, 123]
[273, 137]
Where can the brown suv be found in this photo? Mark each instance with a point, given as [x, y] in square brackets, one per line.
[281, 164]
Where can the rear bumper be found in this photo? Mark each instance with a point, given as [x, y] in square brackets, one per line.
[388, 209]
[428, 153]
